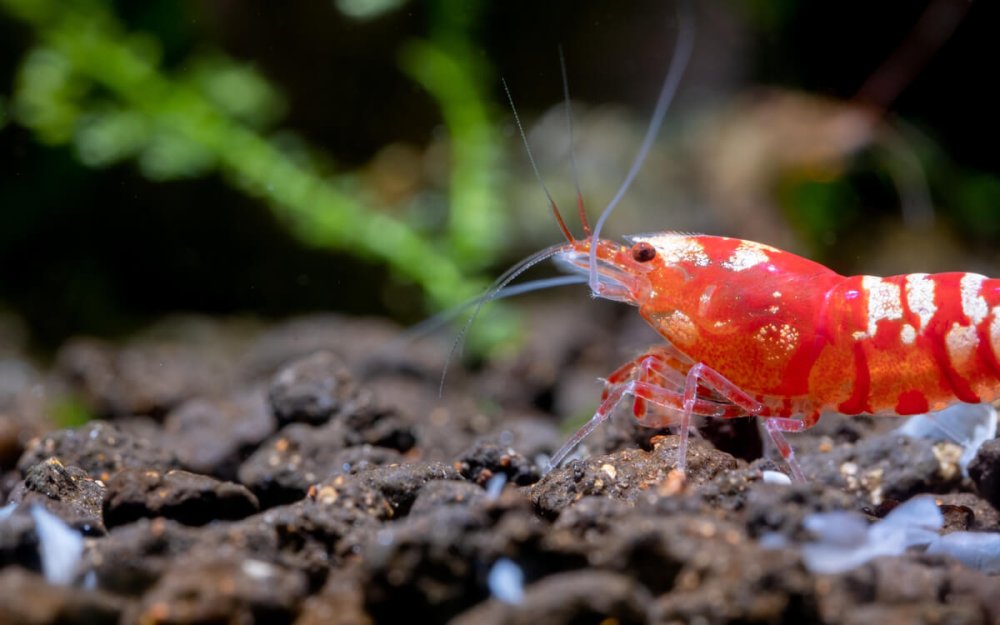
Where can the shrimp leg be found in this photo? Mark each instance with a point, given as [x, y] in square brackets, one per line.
[705, 375]
[670, 399]
[776, 425]
[632, 379]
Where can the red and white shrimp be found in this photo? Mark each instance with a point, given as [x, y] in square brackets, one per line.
[753, 330]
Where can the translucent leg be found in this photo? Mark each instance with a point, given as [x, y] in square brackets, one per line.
[776, 425]
[604, 411]
[665, 397]
[653, 377]
[705, 375]
[657, 362]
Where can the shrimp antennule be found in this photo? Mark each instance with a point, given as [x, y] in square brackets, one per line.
[534, 167]
[491, 294]
[581, 211]
[500, 284]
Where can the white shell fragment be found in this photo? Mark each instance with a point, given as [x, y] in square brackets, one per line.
[775, 477]
[846, 541]
[506, 581]
[59, 545]
[914, 523]
[976, 550]
[966, 425]
[841, 528]
[494, 486]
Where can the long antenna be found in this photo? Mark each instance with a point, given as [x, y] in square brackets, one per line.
[679, 63]
[534, 167]
[572, 146]
[496, 288]
[500, 285]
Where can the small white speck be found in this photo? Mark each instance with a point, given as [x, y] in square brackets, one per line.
[772, 540]
[908, 334]
[506, 581]
[775, 477]
[495, 485]
[706, 296]
[257, 569]
[609, 470]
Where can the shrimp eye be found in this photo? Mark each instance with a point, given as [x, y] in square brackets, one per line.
[643, 252]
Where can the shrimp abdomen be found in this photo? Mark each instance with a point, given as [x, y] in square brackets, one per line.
[912, 343]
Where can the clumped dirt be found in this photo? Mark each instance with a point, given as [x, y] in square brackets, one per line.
[304, 474]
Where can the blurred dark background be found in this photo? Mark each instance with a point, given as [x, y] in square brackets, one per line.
[102, 230]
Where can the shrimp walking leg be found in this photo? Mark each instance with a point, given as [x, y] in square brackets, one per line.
[740, 403]
[654, 378]
[637, 385]
[773, 428]
[702, 374]
[776, 425]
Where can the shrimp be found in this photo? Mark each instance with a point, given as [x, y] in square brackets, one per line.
[750, 329]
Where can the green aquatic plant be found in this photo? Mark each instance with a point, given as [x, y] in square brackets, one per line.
[90, 83]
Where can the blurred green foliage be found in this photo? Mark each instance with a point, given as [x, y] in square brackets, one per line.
[161, 91]
[90, 83]
[69, 411]
[819, 209]
[367, 9]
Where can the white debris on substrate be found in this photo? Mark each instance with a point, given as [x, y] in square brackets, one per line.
[966, 425]
[846, 540]
[775, 477]
[494, 486]
[976, 550]
[506, 581]
[59, 545]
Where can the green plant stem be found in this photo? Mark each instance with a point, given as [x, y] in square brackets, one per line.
[476, 221]
[315, 209]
